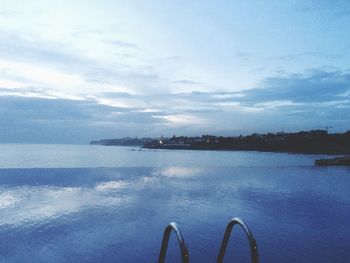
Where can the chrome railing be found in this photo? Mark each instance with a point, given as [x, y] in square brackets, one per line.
[252, 243]
[165, 241]
[184, 251]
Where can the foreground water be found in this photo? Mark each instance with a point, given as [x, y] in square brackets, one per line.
[56, 205]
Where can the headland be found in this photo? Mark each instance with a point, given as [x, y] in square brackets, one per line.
[305, 142]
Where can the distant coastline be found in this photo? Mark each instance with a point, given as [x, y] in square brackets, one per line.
[127, 141]
[304, 142]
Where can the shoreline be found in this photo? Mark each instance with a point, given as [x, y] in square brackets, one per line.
[306, 152]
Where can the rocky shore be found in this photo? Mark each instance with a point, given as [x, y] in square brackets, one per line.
[338, 161]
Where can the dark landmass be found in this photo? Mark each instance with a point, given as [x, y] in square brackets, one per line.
[338, 161]
[307, 142]
[122, 142]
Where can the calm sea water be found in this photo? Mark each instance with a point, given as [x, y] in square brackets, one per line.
[69, 203]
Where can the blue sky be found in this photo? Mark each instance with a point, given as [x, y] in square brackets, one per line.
[74, 71]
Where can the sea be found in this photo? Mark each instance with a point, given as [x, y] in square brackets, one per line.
[88, 203]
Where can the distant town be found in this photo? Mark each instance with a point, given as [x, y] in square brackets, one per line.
[308, 142]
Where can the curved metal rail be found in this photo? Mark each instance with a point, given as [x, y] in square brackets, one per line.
[252, 242]
[165, 241]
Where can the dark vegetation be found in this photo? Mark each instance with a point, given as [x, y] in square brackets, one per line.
[122, 142]
[315, 142]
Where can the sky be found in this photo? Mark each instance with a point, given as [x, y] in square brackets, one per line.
[75, 71]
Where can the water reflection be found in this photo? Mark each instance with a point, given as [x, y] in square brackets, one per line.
[28, 205]
[118, 214]
[179, 171]
[111, 185]
[8, 199]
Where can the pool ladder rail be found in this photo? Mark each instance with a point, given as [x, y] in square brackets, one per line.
[184, 251]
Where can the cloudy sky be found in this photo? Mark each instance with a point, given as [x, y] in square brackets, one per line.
[73, 71]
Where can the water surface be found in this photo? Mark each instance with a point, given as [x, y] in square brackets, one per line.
[297, 212]
[78, 156]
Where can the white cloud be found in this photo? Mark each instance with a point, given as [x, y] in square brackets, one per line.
[42, 76]
[11, 84]
[181, 119]
[275, 104]
[228, 95]
[83, 53]
[238, 107]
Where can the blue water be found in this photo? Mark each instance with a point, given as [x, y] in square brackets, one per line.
[66, 203]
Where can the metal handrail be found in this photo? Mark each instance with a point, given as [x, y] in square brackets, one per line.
[165, 241]
[252, 242]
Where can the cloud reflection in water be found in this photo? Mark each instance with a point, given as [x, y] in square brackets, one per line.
[27, 205]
